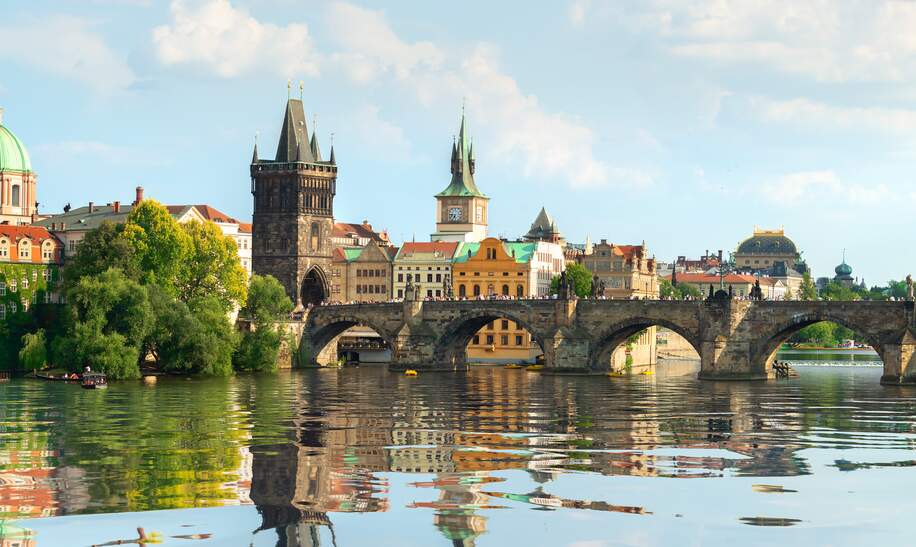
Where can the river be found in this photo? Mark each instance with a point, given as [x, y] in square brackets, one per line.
[490, 457]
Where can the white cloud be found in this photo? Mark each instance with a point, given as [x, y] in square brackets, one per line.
[801, 188]
[229, 42]
[519, 128]
[382, 137]
[370, 47]
[578, 10]
[829, 40]
[69, 47]
[807, 112]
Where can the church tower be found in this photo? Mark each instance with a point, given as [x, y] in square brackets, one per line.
[294, 211]
[461, 209]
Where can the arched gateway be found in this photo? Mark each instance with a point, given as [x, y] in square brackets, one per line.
[735, 339]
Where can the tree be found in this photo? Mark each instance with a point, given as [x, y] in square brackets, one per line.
[897, 289]
[260, 346]
[101, 249]
[159, 245]
[838, 292]
[682, 291]
[580, 276]
[111, 319]
[212, 267]
[199, 340]
[34, 352]
[821, 334]
[807, 290]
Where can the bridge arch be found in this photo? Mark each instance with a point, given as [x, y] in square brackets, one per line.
[763, 351]
[451, 346]
[604, 344]
[320, 333]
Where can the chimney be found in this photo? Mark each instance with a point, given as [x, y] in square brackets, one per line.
[91, 207]
[117, 207]
[63, 226]
[53, 226]
[139, 195]
[720, 256]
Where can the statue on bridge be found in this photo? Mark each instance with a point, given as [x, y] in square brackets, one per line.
[909, 287]
[756, 291]
[566, 287]
[597, 287]
[447, 287]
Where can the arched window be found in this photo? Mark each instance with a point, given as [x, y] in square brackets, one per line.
[462, 292]
[313, 245]
[476, 290]
[25, 248]
[505, 290]
[520, 291]
[4, 248]
[490, 290]
[14, 199]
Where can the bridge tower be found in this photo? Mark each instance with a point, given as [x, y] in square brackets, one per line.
[294, 211]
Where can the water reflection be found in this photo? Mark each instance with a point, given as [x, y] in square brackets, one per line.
[457, 452]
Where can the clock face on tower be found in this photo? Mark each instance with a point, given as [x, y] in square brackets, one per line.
[454, 213]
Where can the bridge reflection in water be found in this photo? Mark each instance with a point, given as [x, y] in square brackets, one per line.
[736, 340]
[461, 435]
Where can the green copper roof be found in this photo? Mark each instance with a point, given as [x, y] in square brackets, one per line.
[523, 251]
[13, 155]
[462, 183]
[352, 254]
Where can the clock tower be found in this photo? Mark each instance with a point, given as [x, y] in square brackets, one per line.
[461, 209]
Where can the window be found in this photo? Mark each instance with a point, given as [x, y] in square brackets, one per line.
[518, 339]
[438, 292]
[429, 278]
[13, 285]
[4, 248]
[476, 290]
[2, 312]
[520, 291]
[72, 245]
[34, 275]
[504, 340]
[438, 278]
[400, 293]
[400, 278]
[489, 338]
[316, 234]
[12, 307]
[2, 288]
[25, 247]
[461, 291]
[505, 324]
[490, 290]
[491, 326]
[476, 340]
[429, 293]
[15, 196]
[25, 283]
[461, 274]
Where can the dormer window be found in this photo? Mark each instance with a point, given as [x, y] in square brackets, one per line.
[25, 248]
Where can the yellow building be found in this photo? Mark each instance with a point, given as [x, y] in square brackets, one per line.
[497, 269]
[626, 270]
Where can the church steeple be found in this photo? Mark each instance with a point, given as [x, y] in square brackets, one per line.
[462, 183]
[316, 151]
[293, 132]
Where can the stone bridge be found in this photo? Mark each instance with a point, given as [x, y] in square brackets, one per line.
[735, 339]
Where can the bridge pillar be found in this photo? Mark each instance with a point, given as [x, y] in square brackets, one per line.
[899, 361]
[567, 350]
[726, 342]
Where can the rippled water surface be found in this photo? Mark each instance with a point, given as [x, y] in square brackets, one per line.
[363, 456]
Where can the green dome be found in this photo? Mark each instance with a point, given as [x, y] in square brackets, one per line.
[843, 270]
[13, 155]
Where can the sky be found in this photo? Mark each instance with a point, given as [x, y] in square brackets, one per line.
[680, 123]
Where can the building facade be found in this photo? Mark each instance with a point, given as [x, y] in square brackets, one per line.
[740, 285]
[424, 264]
[293, 217]
[627, 271]
[18, 182]
[30, 268]
[764, 249]
[461, 209]
[362, 274]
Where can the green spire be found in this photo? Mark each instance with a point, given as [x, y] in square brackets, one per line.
[462, 183]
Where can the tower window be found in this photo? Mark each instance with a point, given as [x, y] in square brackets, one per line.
[15, 195]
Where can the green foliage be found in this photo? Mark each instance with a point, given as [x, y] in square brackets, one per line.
[680, 292]
[196, 338]
[267, 300]
[258, 351]
[101, 249]
[212, 267]
[838, 292]
[581, 277]
[111, 318]
[267, 303]
[34, 352]
[807, 291]
[159, 247]
[896, 289]
[824, 334]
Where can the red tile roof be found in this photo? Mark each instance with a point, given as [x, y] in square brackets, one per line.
[698, 278]
[37, 233]
[245, 227]
[447, 248]
[345, 229]
[210, 213]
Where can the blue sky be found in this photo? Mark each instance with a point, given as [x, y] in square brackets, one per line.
[677, 122]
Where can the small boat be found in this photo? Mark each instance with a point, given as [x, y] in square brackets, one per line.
[94, 380]
[410, 372]
[534, 367]
[61, 378]
[513, 366]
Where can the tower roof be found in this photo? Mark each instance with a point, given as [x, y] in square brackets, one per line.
[462, 183]
[13, 155]
[294, 130]
[543, 227]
